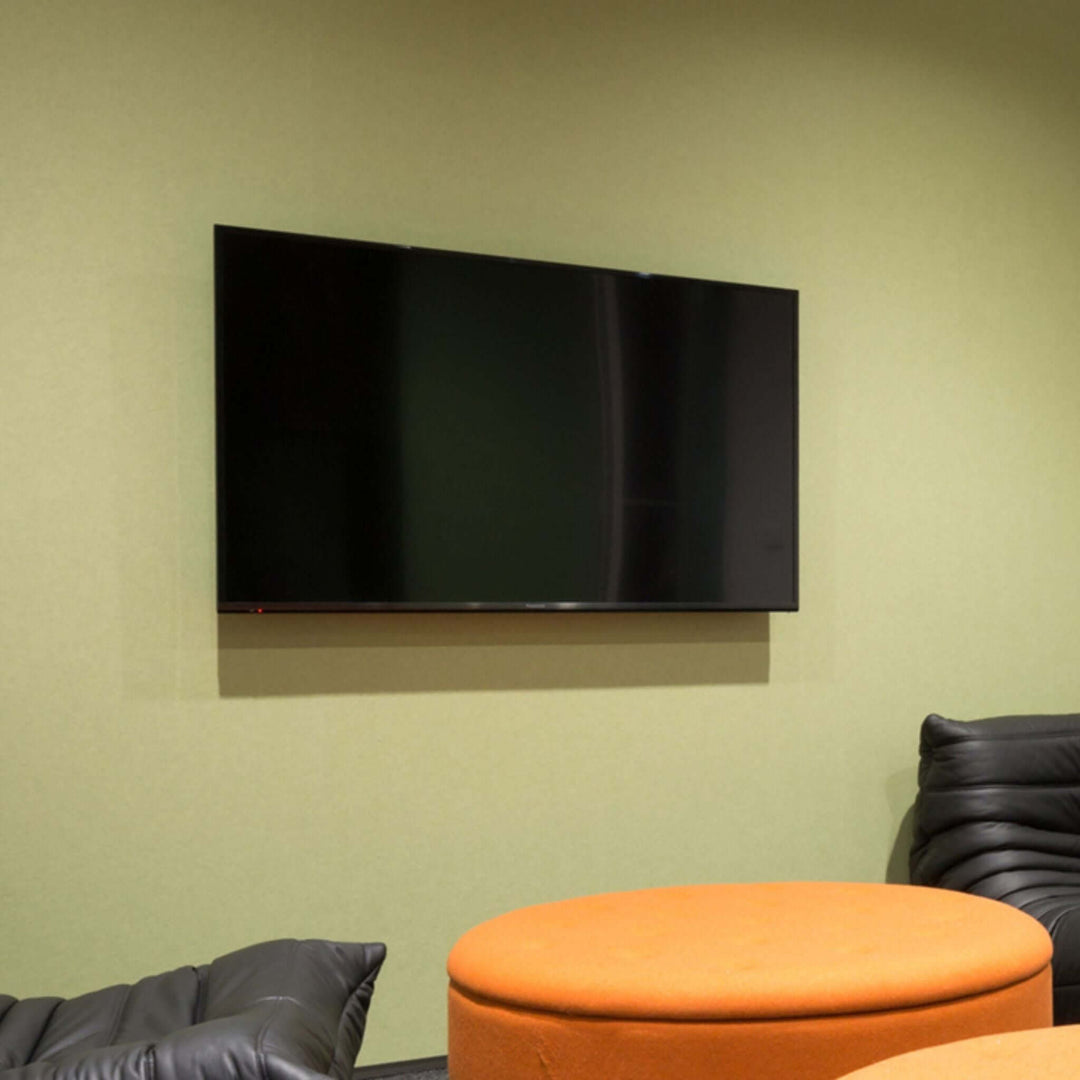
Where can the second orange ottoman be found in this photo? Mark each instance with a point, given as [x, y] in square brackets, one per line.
[1046, 1053]
[744, 982]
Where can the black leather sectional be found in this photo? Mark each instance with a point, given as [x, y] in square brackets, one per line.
[998, 815]
[281, 1010]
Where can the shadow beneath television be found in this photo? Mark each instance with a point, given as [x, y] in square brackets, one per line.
[299, 654]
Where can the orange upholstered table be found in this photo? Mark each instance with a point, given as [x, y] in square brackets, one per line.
[1044, 1054]
[738, 982]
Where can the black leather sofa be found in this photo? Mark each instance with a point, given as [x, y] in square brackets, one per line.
[281, 1010]
[998, 815]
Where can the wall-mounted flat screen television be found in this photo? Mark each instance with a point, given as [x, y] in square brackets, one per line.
[420, 430]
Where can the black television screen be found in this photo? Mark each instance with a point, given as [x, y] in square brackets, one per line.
[407, 429]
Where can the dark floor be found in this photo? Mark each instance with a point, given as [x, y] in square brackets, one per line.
[418, 1069]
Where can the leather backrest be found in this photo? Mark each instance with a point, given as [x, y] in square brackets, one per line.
[998, 808]
[281, 1010]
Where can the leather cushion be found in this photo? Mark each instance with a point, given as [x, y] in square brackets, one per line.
[281, 1010]
[998, 815]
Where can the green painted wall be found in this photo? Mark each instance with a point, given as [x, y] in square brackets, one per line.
[173, 785]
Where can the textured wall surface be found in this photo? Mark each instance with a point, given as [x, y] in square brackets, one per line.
[174, 784]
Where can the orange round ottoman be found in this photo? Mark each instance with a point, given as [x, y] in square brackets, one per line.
[740, 982]
[1048, 1054]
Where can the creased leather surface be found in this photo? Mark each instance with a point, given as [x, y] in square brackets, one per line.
[998, 815]
[281, 1010]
